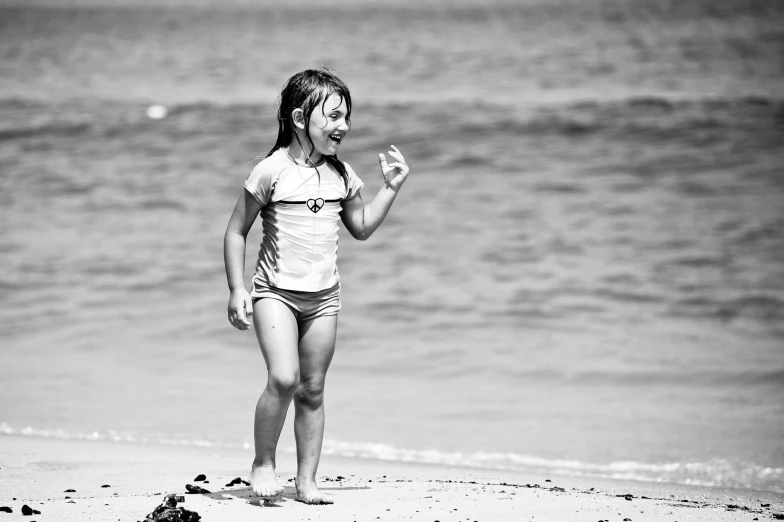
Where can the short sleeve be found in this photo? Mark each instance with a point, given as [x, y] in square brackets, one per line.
[261, 182]
[354, 183]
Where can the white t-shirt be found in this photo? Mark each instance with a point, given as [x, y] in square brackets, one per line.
[300, 216]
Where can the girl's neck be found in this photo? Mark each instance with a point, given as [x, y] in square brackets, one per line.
[300, 157]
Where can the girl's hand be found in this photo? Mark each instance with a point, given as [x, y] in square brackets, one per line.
[394, 173]
[240, 309]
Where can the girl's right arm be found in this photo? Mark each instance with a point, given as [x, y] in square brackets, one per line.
[240, 305]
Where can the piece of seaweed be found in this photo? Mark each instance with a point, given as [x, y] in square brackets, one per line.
[169, 512]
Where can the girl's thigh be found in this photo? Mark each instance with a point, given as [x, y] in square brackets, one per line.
[317, 346]
[278, 335]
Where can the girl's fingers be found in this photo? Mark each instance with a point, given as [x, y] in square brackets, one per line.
[399, 166]
[397, 155]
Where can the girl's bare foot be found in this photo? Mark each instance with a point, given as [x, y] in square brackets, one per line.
[309, 493]
[264, 482]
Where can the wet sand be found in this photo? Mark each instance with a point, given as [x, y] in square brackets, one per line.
[122, 481]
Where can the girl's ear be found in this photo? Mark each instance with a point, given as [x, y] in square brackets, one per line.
[298, 118]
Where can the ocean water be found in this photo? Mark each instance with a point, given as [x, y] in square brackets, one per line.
[584, 274]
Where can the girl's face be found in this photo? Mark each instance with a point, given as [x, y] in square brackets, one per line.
[328, 126]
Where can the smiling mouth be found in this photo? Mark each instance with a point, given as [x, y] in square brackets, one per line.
[336, 138]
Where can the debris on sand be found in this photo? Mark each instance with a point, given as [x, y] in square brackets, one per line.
[169, 512]
[195, 489]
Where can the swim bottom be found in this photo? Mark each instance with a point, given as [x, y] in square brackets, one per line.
[304, 305]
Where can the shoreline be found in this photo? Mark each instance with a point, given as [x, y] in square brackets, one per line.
[126, 481]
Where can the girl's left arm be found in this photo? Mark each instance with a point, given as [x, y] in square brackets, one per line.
[362, 219]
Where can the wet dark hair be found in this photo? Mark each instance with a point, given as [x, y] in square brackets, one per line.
[306, 90]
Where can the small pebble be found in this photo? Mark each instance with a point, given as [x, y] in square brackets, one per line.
[200, 478]
[27, 510]
[69, 491]
[6, 509]
[106, 486]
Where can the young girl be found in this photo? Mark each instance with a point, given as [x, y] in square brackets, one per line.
[300, 189]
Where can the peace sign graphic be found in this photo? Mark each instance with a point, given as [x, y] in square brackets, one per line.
[315, 204]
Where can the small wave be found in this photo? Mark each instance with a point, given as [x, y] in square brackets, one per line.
[110, 435]
[52, 129]
[748, 377]
[763, 307]
[163, 204]
[632, 117]
[717, 472]
[714, 473]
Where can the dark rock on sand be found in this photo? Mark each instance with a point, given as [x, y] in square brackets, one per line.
[27, 510]
[6, 509]
[69, 491]
[106, 486]
[195, 489]
[234, 482]
[200, 478]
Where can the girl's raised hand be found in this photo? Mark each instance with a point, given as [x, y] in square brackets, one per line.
[394, 173]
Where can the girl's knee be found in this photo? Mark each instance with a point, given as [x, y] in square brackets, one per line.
[284, 384]
[310, 394]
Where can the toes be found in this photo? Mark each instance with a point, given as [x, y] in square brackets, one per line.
[316, 501]
[268, 491]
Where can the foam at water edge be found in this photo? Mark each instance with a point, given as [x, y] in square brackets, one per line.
[714, 473]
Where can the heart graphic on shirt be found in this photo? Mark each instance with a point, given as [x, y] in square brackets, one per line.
[315, 204]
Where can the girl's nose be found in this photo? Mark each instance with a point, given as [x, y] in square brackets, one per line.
[343, 125]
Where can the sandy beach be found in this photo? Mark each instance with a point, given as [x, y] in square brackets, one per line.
[125, 482]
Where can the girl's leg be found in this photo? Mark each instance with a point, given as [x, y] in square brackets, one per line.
[316, 347]
[277, 332]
